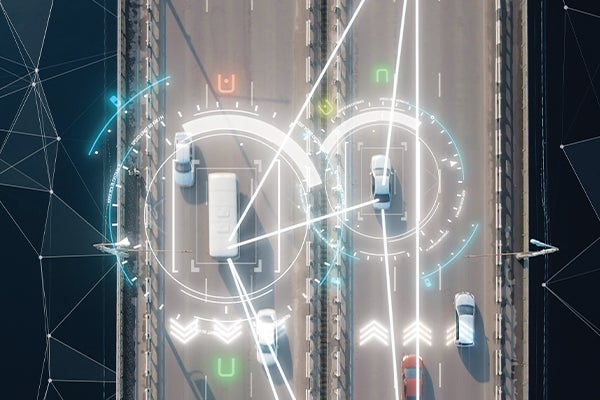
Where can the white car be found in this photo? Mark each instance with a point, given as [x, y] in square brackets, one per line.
[184, 154]
[464, 310]
[381, 183]
[266, 330]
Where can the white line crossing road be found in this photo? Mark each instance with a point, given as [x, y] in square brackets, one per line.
[373, 330]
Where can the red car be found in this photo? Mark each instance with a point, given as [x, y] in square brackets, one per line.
[409, 377]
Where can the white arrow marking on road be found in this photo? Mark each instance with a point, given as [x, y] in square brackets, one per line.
[453, 163]
[227, 332]
[184, 333]
[411, 332]
[373, 330]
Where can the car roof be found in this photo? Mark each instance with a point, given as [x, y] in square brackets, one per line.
[265, 329]
[465, 298]
[378, 161]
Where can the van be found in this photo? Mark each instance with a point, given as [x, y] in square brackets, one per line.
[222, 214]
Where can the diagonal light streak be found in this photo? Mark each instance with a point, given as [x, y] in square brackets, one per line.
[573, 259]
[247, 303]
[586, 321]
[83, 355]
[105, 9]
[138, 94]
[417, 200]
[45, 32]
[17, 115]
[295, 122]
[109, 270]
[17, 39]
[301, 224]
[383, 218]
[394, 92]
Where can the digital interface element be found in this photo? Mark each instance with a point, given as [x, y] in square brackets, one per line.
[226, 85]
[382, 75]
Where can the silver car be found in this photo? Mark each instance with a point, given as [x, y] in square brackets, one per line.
[381, 182]
[184, 154]
[266, 330]
[464, 310]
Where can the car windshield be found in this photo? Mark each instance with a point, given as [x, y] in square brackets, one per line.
[383, 198]
[265, 319]
[264, 348]
[411, 373]
[183, 166]
[379, 172]
[466, 309]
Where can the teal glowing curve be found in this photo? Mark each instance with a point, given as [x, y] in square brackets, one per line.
[121, 109]
[459, 252]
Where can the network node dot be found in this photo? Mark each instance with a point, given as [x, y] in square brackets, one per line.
[58, 138]
[543, 284]
[566, 7]
[51, 191]
[562, 146]
[37, 70]
[33, 84]
[40, 257]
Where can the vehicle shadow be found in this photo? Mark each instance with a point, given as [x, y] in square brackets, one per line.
[477, 358]
[202, 390]
[396, 221]
[284, 356]
[428, 389]
[248, 261]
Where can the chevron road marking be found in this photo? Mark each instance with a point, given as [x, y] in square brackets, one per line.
[227, 332]
[373, 330]
[184, 333]
[411, 331]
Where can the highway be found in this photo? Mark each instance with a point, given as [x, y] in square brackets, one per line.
[232, 88]
[238, 80]
[454, 93]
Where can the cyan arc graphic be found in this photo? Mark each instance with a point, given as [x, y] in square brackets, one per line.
[121, 109]
[249, 124]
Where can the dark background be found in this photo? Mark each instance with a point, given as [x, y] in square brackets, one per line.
[564, 108]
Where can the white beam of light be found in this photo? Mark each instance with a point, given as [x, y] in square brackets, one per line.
[417, 201]
[390, 311]
[301, 224]
[394, 92]
[252, 328]
[383, 218]
[247, 303]
[295, 122]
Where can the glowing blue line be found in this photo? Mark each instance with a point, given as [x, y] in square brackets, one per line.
[108, 211]
[454, 256]
[121, 109]
[328, 270]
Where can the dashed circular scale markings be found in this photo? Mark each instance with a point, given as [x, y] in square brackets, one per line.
[257, 141]
[361, 132]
